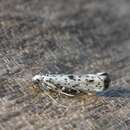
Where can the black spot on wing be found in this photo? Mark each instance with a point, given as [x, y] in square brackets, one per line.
[50, 80]
[75, 85]
[70, 91]
[71, 77]
[91, 80]
[58, 84]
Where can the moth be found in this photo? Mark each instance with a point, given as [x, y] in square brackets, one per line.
[70, 84]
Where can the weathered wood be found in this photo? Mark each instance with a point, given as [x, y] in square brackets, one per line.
[57, 36]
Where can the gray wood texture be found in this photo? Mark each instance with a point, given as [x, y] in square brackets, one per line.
[64, 36]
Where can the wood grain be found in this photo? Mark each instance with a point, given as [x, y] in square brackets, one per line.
[58, 36]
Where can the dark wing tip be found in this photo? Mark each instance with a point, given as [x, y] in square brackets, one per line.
[107, 81]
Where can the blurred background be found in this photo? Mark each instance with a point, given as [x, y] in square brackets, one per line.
[64, 36]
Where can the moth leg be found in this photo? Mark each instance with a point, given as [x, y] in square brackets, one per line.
[92, 94]
[65, 93]
[48, 94]
[44, 86]
[53, 99]
[53, 87]
[50, 85]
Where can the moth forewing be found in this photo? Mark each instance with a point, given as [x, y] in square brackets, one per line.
[88, 82]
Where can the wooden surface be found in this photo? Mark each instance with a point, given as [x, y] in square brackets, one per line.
[64, 36]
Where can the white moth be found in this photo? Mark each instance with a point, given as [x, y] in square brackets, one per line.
[71, 83]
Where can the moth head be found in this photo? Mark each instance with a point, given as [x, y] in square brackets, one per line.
[36, 79]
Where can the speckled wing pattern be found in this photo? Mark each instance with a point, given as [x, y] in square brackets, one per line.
[67, 82]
